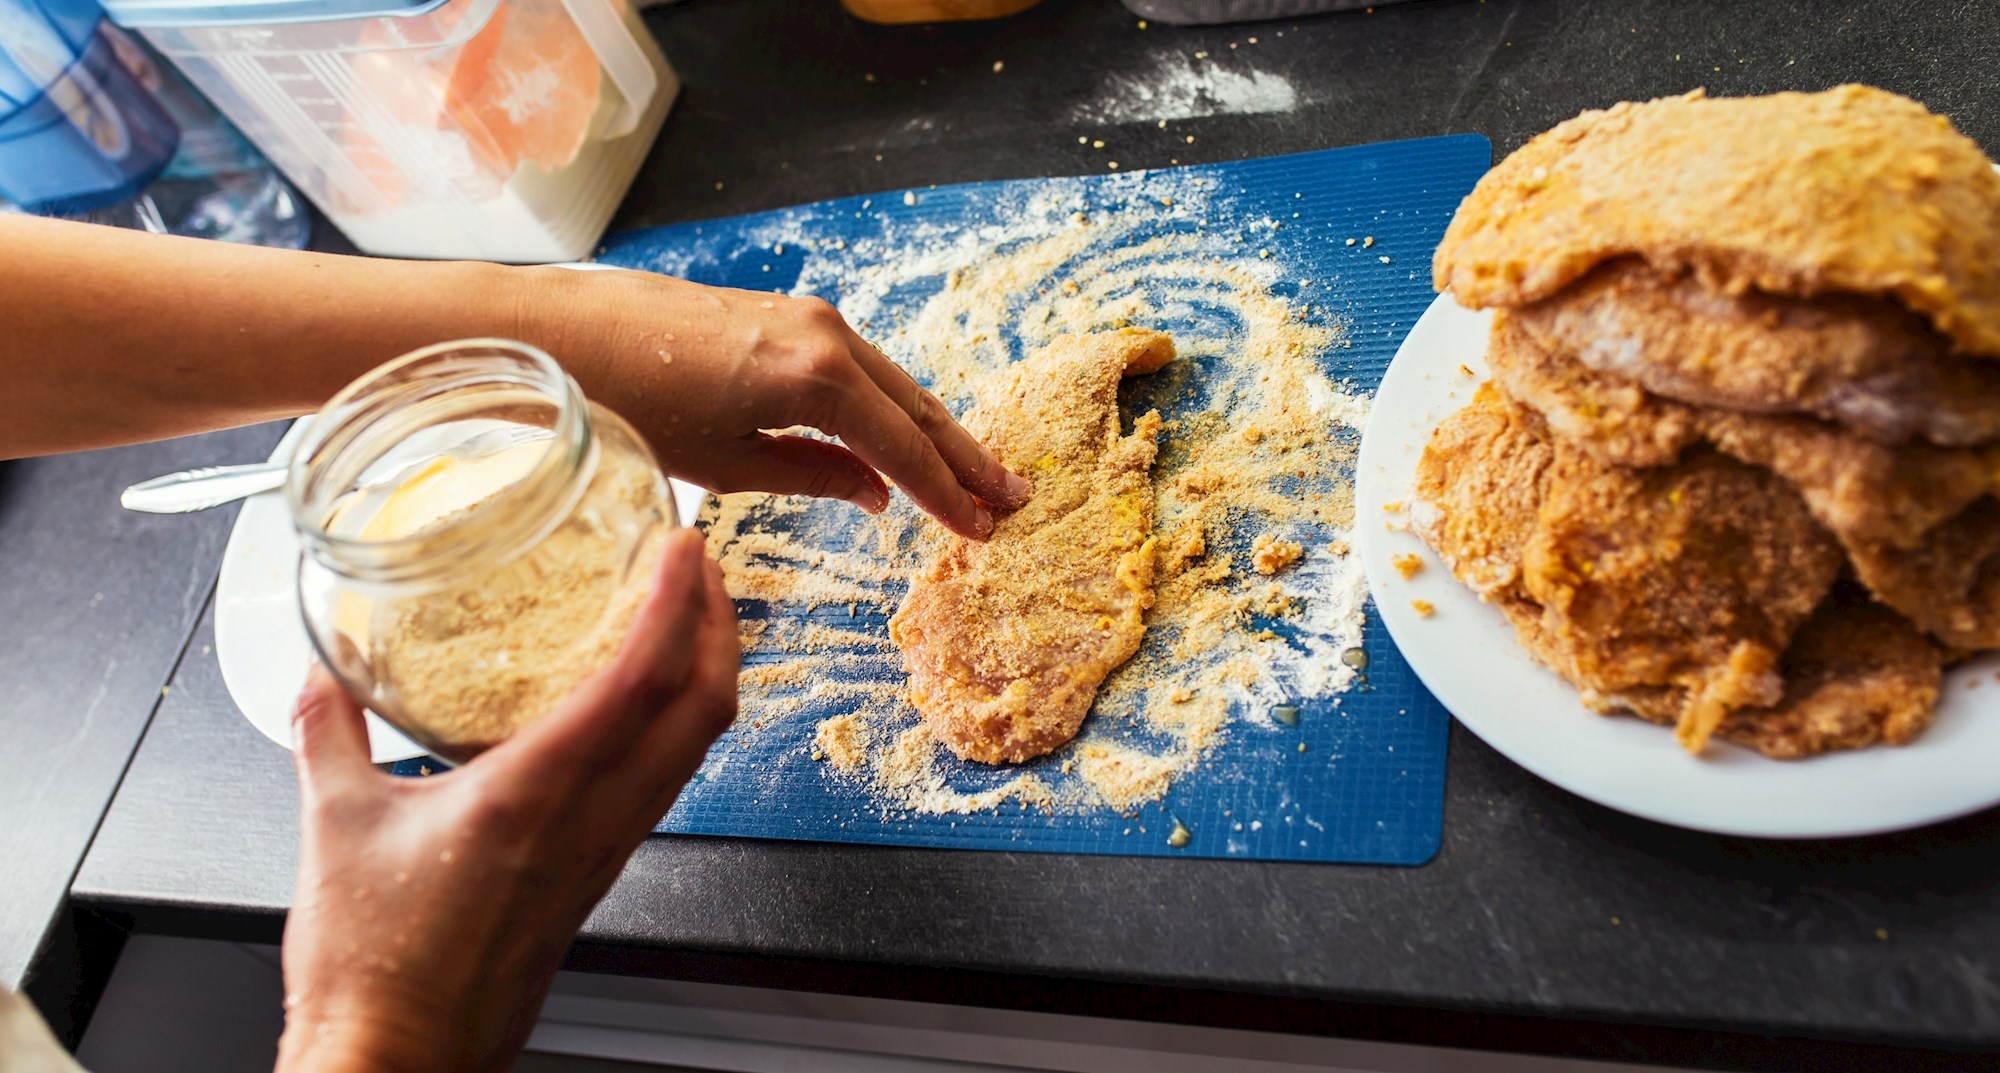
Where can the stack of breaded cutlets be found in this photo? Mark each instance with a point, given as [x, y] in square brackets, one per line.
[1735, 469]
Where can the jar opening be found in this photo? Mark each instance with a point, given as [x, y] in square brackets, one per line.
[462, 451]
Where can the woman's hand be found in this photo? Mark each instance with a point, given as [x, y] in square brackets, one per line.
[703, 372]
[431, 914]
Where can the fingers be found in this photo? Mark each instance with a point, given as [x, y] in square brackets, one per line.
[795, 465]
[975, 467]
[680, 738]
[654, 661]
[329, 740]
[712, 688]
[612, 707]
[887, 438]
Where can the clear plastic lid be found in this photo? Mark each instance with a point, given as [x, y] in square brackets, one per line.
[184, 13]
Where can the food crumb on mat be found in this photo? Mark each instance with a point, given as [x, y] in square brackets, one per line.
[1271, 555]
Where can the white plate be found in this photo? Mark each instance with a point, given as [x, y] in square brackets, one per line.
[1466, 654]
[260, 636]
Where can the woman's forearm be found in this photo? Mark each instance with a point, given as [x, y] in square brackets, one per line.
[110, 336]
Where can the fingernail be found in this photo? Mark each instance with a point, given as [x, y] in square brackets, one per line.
[982, 520]
[872, 500]
[1018, 489]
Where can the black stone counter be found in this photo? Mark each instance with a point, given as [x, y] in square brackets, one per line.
[1546, 923]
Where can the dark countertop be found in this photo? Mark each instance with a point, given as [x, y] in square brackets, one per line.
[95, 606]
[1546, 923]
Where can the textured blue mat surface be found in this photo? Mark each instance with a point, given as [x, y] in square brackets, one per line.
[1368, 784]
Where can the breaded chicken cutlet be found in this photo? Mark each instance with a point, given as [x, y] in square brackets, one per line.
[1853, 190]
[1627, 582]
[1007, 639]
[1949, 584]
[1852, 672]
[1862, 490]
[1787, 310]
[1864, 364]
[1856, 674]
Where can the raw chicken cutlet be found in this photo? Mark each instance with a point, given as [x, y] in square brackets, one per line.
[1628, 580]
[1007, 640]
[1865, 364]
[1861, 490]
[1853, 190]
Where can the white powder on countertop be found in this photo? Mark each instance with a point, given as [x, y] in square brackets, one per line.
[1181, 87]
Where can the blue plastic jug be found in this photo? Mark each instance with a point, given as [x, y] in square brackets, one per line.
[77, 130]
[94, 126]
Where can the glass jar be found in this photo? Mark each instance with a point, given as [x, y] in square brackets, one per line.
[476, 538]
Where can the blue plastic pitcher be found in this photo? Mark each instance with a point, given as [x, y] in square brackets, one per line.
[77, 131]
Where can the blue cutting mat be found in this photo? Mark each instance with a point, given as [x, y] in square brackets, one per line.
[1368, 785]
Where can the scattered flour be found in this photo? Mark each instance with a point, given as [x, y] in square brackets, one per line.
[1182, 87]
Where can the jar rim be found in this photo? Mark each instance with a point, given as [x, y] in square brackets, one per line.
[358, 426]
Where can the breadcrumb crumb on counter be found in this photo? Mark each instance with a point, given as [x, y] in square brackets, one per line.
[1408, 565]
[1271, 555]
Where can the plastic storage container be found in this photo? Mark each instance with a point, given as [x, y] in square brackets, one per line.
[504, 130]
[476, 539]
